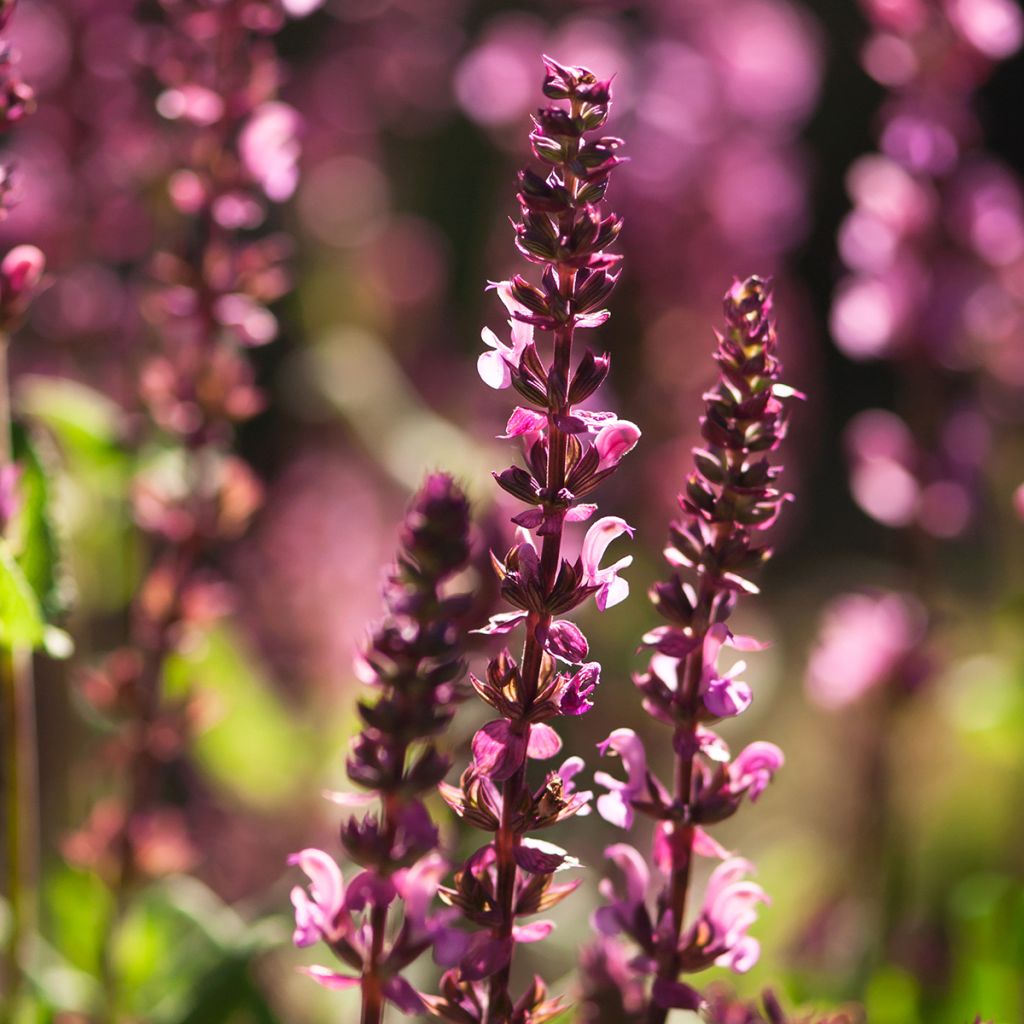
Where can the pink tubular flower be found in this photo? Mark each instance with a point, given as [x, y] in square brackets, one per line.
[621, 910]
[725, 696]
[318, 914]
[754, 767]
[729, 910]
[570, 768]
[574, 697]
[611, 587]
[614, 441]
[616, 805]
[495, 367]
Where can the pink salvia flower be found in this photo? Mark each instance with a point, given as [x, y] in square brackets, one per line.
[729, 497]
[754, 767]
[616, 806]
[318, 913]
[567, 452]
[612, 588]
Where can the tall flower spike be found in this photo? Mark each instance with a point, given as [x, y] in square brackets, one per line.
[214, 276]
[413, 660]
[568, 451]
[729, 498]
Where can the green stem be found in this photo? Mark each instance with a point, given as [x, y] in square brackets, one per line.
[21, 759]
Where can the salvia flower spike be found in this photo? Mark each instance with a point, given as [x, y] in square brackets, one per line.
[565, 232]
[729, 498]
[413, 661]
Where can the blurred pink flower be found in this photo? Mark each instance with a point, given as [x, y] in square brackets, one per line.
[269, 147]
[866, 640]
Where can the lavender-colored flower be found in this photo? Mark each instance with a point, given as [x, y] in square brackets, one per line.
[413, 662]
[729, 498]
[568, 452]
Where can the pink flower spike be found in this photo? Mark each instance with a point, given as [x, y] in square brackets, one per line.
[614, 441]
[612, 588]
[328, 978]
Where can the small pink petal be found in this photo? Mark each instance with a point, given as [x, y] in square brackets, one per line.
[544, 742]
[497, 751]
[566, 641]
[535, 931]
[328, 978]
[704, 845]
[524, 421]
[499, 625]
[493, 370]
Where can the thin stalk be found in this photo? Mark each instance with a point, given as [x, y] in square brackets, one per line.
[21, 762]
[537, 627]
[686, 731]
[372, 989]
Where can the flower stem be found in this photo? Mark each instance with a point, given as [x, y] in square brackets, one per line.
[20, 765]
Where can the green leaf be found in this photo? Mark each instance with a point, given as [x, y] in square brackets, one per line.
[21, 620]
[78, 906]
[247, 716]
[81, 417]
[96, 469]
[182, 954]
[34, 537]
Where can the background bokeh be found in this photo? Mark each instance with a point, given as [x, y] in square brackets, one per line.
[892, 843]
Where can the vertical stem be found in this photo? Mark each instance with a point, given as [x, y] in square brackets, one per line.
[372, 990]
[373, 994]
[679, 883]
[20, 765]
[537, 626]
[688, 698]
